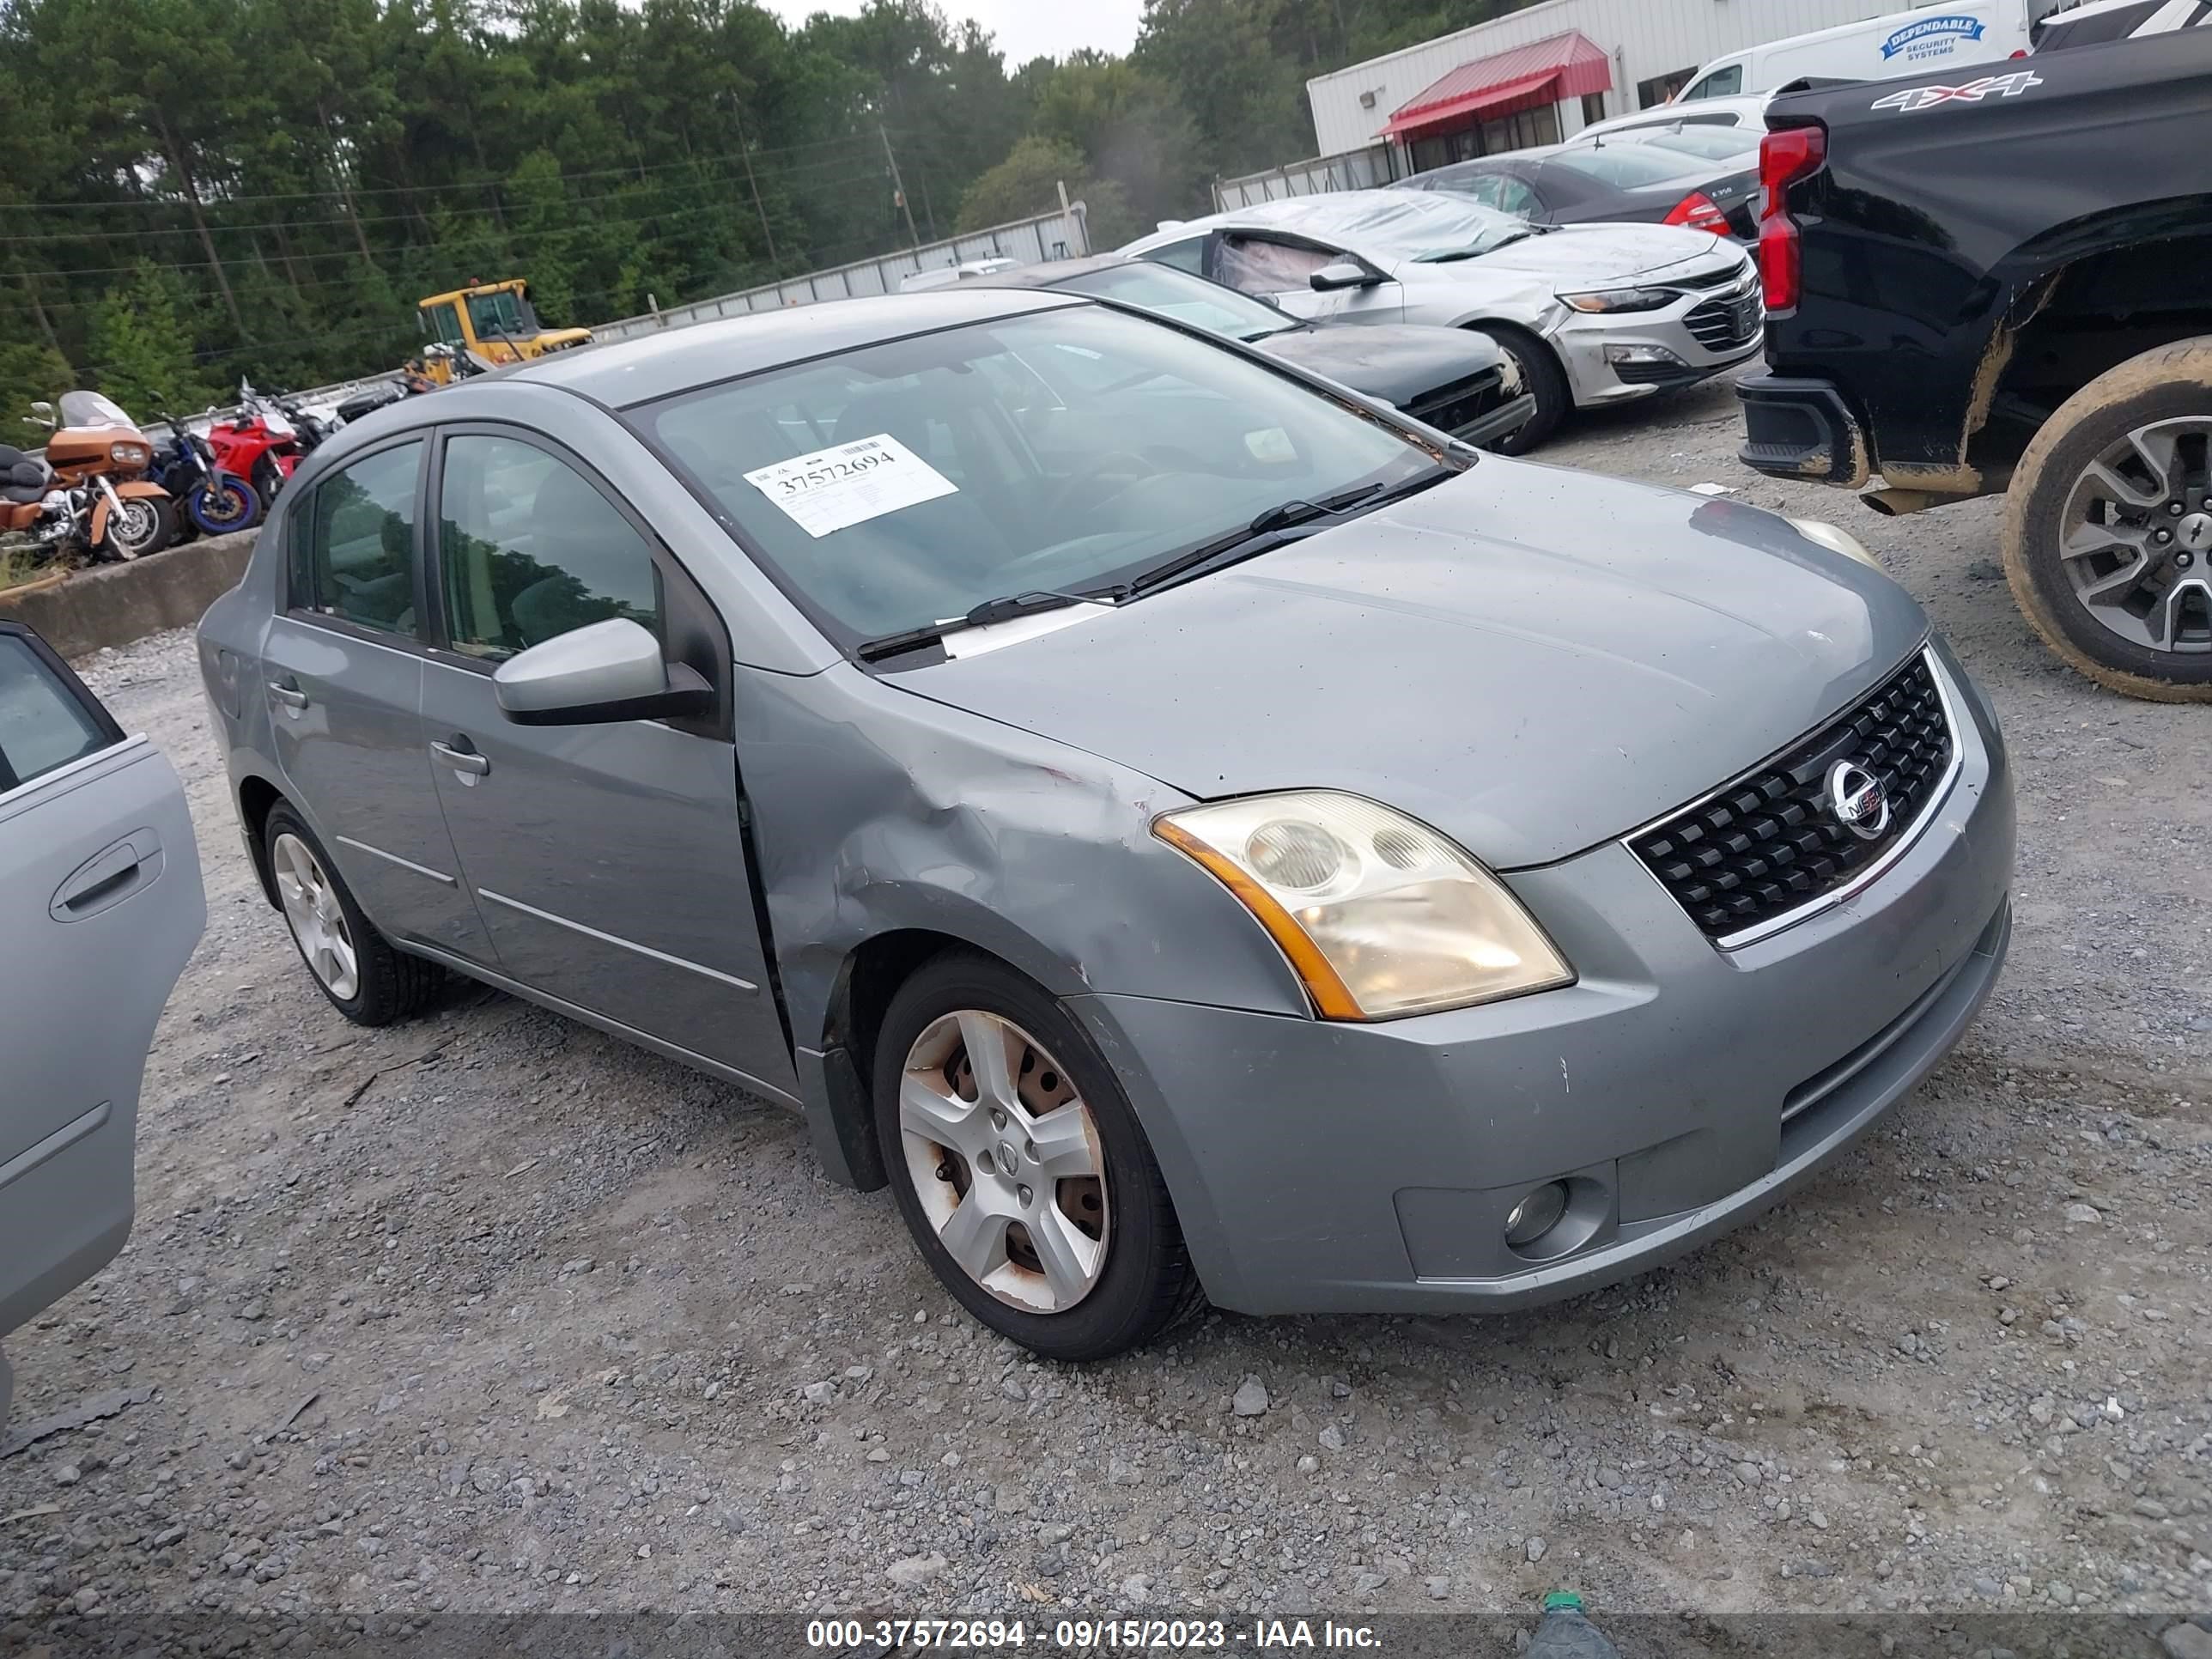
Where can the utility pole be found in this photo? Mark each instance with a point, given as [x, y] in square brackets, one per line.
[898, 186]
[745, 151]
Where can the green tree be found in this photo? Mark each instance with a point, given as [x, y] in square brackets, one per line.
[1028, 182]
[141, 358]
[29, 374]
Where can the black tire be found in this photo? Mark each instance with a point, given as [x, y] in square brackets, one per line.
[163, 532]
[2172, 382]
[268, 481]
[392, 985]
[1541, 375]
[1146, 1282]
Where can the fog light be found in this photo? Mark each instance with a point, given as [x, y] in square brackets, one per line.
[1624, 353]
[1535, 1215]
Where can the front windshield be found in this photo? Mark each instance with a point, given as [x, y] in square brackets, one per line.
[494, 315]
[1067, 450]
[1185, 298]
[90, 409]
[1428, 225]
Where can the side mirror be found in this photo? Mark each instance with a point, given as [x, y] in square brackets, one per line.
[598, 675]
[1345, 273]
[42, 413]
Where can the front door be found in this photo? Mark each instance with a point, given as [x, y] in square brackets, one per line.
[608, 861]
[342, 672]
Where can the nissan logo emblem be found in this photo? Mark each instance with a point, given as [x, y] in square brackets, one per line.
[1858, 799]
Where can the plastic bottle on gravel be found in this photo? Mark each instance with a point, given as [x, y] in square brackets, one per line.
[1564, 1633]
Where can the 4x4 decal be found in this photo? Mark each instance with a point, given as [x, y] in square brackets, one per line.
[1989, 86]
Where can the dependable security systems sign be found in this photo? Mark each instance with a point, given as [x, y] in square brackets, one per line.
[1932, 37]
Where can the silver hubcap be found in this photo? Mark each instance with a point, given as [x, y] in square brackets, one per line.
[1005, 1157]
[2136, 535]
[134, 527]
[311, 906]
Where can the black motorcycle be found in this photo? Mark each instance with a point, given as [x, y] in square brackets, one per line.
[214, 502]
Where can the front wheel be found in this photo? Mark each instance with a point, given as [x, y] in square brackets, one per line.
[223, 504]
[140, 526]
[2108, 526]
[1541, 377]
[1020, 1168]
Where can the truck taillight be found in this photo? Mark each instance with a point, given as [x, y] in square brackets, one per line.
[1697, 212]
[1784, 157]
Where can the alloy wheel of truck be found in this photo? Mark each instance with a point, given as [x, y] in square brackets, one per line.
[1541, 375]
[354, 965]
[1020, 1168]
[2108, 526]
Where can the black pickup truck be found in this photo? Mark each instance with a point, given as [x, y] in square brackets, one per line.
[2002, 281]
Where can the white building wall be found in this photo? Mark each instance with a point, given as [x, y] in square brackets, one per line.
[1646, 39]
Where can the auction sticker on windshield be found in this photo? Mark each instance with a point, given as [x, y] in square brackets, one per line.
[850, 483]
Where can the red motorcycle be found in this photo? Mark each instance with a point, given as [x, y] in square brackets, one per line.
[264, 441]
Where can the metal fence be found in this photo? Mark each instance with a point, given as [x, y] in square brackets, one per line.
[1356, 169]
[1060, 235]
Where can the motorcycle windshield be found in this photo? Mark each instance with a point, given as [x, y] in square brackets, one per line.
[90, 409]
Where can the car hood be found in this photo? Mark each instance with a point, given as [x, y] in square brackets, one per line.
[1529, 660]
[1397, 362]
[1595, 253]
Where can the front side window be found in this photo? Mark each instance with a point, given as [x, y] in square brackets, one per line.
[530, 550]
[43, 726]
[1260, 266]
[443, 322]
[905, 482]
[359, 556]
[1721, 83]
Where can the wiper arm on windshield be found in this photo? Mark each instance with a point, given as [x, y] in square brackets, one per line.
[1267, 530]
[1003, 609]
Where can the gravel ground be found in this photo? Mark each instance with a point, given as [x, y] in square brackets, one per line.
[489, 1312]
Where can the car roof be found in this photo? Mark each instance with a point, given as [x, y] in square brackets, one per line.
[628, 372]
[1054, 271]
[1390, 218]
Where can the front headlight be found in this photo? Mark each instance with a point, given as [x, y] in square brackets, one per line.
[1622, 299]
[1380, 916]
[129, 454]
[1836, 539]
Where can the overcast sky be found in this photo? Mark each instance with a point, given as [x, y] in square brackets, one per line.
[1025, 28]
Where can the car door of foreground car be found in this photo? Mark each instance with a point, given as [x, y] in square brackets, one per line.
[100, 905]
[342, 668]
[608, 861]
[1279, 268]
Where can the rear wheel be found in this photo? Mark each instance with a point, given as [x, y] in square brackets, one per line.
[1020, 1168]
[354, 965]
[2108, 526]
[1541, 377]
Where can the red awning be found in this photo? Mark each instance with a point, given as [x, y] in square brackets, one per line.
[1546, 71]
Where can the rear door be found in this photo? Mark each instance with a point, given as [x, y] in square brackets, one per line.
[343, 674]
[100, 905]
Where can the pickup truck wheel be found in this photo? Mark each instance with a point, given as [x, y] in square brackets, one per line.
[1541, 376]
[2108, 527]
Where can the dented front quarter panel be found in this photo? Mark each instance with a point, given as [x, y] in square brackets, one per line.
[875, 811]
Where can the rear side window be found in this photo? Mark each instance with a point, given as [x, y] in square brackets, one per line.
[354, 543]
[45, 720]
[1186, 255]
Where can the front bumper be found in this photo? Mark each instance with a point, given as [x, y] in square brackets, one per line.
[1676, 355]
[1679, 1089]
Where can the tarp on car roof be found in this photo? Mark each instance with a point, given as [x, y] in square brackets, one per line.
[1559, 66]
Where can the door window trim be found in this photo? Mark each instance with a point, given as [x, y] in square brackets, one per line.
[299, 523]
[78, 692]
[709, 651]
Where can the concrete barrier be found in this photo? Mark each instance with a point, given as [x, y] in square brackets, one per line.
[115, 603]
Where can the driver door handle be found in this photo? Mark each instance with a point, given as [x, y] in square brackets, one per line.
[462, 760]
[290, 695]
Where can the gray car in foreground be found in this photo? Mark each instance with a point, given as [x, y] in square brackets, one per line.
[1192, 835]
[100, 905]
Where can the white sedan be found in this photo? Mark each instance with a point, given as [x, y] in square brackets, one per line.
[1593, 314]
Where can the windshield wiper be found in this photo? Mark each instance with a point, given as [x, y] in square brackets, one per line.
[1270, 529]
[1003, 609]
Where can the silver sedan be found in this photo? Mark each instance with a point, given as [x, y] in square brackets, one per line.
[1190, 833]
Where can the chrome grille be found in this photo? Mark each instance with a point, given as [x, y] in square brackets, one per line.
[1725, 324]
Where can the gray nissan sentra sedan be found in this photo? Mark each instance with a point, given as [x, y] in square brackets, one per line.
[1193, 834]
